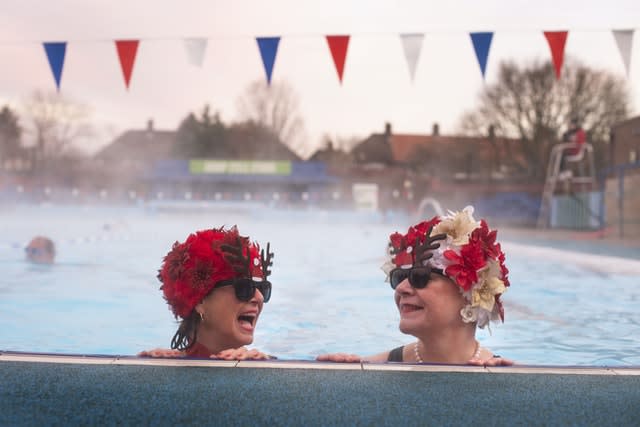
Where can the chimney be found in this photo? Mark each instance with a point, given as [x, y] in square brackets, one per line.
[435, 129]
[387, 129]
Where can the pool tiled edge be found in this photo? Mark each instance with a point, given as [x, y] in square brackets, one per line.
[304, 364]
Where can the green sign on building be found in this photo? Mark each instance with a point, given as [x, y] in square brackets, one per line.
[242, 167]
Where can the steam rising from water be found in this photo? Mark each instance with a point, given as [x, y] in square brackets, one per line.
[329, 294]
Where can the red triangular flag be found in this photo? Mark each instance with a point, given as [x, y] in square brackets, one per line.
[557, 40]
[127, 50]
[338, 46]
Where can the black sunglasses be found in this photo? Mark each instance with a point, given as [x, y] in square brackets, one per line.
[245, 288]
[418, 276]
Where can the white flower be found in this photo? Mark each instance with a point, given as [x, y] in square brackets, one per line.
[457, 225]
[469, 314]
[484, 292]
[387, 267]
[483, 317]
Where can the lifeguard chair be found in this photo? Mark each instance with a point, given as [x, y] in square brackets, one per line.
[585, 176]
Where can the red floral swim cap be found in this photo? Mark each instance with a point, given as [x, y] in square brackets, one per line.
[192, 269]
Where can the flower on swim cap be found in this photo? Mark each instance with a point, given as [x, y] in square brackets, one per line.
[467, 253]
[192, 269]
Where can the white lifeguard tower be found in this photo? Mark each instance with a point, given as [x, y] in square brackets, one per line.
[579, 172]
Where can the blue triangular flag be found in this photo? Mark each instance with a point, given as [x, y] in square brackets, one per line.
[481, 44]
[268, 48]
[55, 54]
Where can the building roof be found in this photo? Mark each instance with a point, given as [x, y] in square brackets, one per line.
[401, 148]
[374, 149]
[149, 144]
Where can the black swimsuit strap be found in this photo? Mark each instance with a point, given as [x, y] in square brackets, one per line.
[395, 355]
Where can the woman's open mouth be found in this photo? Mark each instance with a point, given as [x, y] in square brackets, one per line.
[248, 321]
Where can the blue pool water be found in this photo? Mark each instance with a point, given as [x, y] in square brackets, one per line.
[102, 297]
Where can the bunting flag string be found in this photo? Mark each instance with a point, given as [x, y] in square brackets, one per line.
[557, 41]
[55, 54]
[624, 40]
[195, 49]
[338, 46]
[481, 45]
[412, 45]
[268, 50]
[127, 50]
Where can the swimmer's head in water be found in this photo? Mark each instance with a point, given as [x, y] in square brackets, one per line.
[461, 248]
[192, 269]
[40, 250]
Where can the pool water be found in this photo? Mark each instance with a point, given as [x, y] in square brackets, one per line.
[102, 295]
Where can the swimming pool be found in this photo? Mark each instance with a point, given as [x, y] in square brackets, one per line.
[102, 297]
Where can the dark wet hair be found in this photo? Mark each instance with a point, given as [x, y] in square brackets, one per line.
[187, 333]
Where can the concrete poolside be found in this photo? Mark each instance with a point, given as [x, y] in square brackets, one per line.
[40, 389]
[604, 242]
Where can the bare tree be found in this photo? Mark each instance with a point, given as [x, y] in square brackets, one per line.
[56, 123]
[276, 107]
[10, 133]
[529, 104]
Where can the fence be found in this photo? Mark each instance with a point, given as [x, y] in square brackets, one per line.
[620, 207]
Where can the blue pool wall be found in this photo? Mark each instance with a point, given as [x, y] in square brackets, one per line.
[84, 394]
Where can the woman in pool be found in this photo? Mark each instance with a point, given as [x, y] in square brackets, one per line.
[448, 274]
[216, 282]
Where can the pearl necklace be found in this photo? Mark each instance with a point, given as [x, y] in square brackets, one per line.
[416, 352]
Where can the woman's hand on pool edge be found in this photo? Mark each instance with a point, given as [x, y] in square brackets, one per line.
[493, 361]
[241, 353]
[161, 352]
[339, 357]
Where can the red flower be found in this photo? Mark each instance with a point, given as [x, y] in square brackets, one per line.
[396, 240]
[403, 258]
[487, 239]
[175, 260]
[413, 237]
[503, 267]
[425, 227]
[465, 269]
[201, 274]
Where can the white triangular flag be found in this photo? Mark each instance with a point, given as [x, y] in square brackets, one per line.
[195, 49]
[412, 44]
[624, 39]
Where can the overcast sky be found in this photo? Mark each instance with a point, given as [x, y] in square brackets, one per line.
[376, 87]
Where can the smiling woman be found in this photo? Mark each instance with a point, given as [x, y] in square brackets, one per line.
[448, 275]
[216, 283]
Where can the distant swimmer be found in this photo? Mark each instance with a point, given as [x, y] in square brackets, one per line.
[40, 250]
